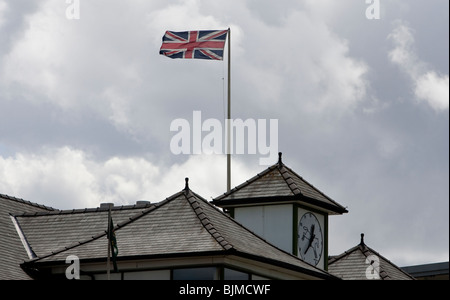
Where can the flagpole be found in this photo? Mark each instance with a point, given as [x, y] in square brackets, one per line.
[229, 114]
[109, 244]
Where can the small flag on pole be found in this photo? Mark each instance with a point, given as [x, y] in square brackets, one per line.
[206, 44]
[113, 243]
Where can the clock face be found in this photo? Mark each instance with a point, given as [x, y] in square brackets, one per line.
[310, 239]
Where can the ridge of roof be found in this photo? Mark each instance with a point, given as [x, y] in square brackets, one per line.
[23, 238]
[247, 229]
[20, 200]
[367, 251]
[84, 210]
[332, 259]
[284, 171]
[312, 186]
[247, 182]
[370, 250]
[191, 197]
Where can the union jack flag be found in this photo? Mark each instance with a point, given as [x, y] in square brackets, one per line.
[206, 44]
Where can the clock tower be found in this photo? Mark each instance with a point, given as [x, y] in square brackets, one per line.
[284, 209]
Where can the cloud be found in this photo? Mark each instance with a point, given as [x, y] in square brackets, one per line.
[303, 62]
[109, 66]
[276, 53]
[3, 11]
[428, 85]
[434, 89]
[68, 178]
[107, 63]
[57, 177]
[403, 53]
[183, 16]
[76, 65]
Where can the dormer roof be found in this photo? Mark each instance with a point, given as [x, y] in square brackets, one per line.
[278, 184]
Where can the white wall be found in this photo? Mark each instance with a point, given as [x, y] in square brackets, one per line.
[271, 222]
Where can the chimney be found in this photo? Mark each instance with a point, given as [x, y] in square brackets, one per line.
[106, 205]
[143, 203]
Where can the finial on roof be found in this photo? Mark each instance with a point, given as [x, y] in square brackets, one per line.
[280, 154]
[186, 187]
[362, 239]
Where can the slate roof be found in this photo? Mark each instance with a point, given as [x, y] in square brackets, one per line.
[278, 183]
[12, 252]
[352, 265]
[429, 271]
[183, 224]
[49, 231]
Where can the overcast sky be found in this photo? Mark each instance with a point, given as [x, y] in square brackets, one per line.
[362, 104]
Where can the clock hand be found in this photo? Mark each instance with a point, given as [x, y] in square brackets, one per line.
[315, 252]
[311, 239]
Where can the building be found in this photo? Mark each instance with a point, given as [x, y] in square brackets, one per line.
[363, 263]
[434, 271]
[273, 226]
[285, 209]
[182, 237]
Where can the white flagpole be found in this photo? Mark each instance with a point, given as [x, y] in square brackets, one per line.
[229, 114]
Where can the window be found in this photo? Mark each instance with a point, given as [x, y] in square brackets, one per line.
[229, 274]
[148, 275]
[210, 273]
[257, 277]
[112, 276]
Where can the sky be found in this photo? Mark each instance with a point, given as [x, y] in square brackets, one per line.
[360, 90]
